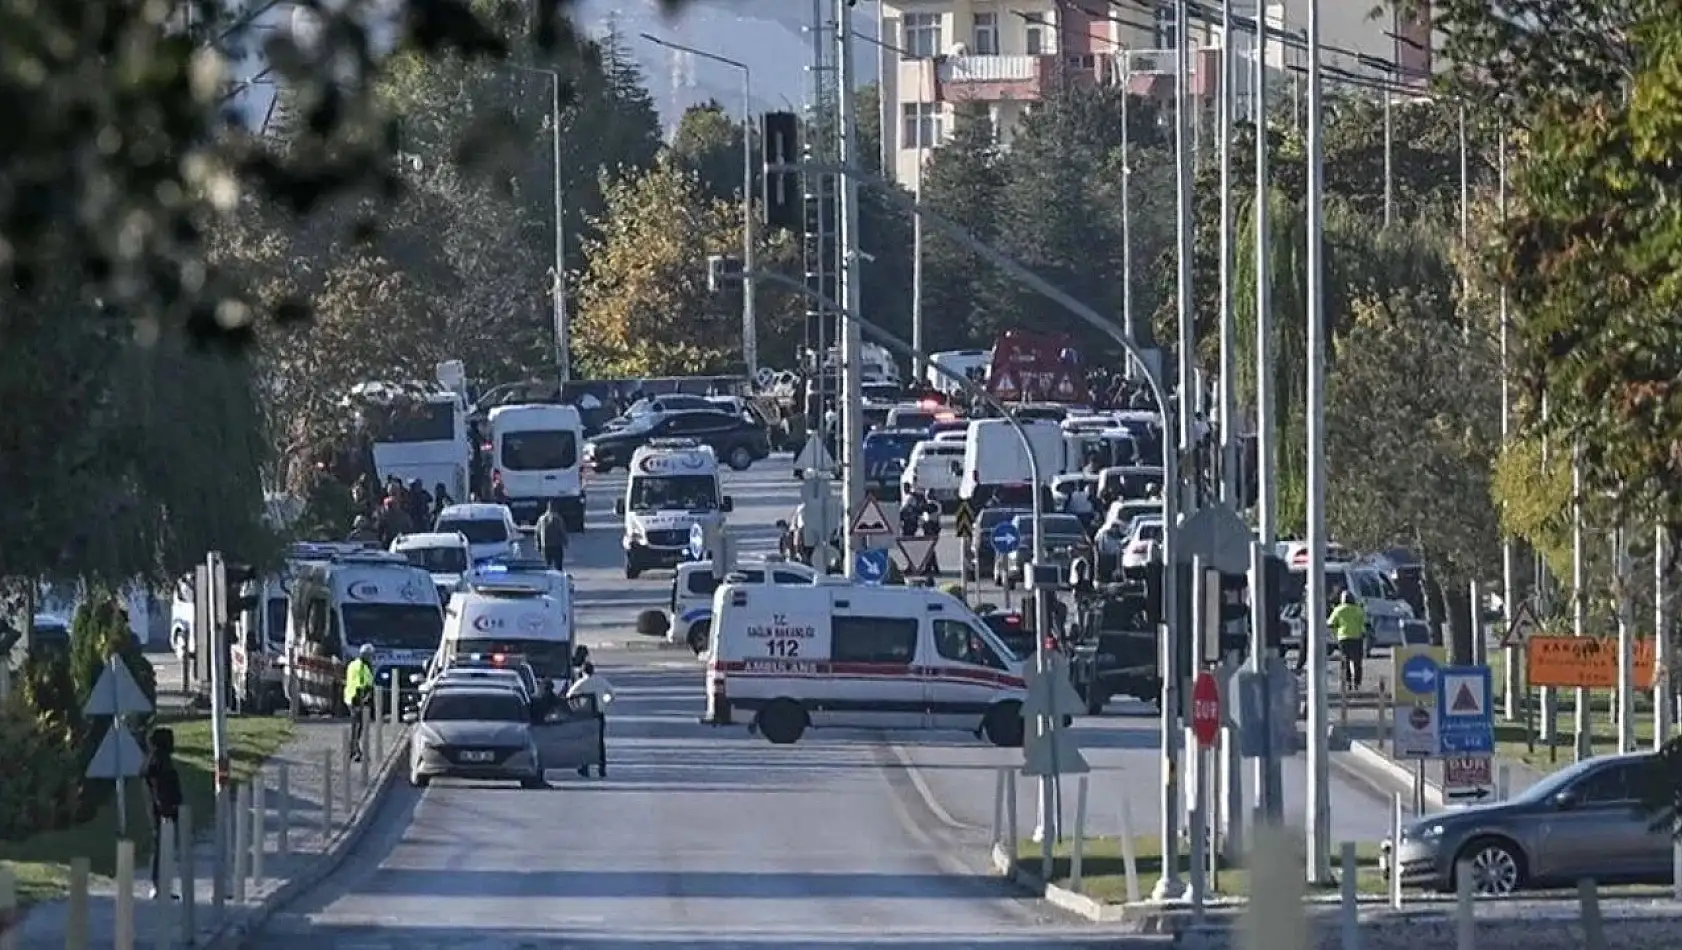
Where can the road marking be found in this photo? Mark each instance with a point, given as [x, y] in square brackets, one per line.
[925, 792]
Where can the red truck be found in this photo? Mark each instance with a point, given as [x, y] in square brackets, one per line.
[1037, 367]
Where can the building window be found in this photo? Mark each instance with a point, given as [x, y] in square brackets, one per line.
[1167, 31]
[922, 35]
[986, 34]
[1033, 33]
[920, 125]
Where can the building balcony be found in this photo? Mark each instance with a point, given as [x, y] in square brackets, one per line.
[992, 78]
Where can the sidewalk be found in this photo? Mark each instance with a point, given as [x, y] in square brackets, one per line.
[312, 851]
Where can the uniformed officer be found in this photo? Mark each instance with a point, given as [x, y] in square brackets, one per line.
[359, 692]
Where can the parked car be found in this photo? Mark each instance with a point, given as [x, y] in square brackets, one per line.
[737, 442]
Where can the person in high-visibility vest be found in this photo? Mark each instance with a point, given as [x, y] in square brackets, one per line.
[1348, 621]
[359, 692]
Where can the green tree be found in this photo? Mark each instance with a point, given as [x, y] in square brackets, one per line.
[962, 181]
[709, 144]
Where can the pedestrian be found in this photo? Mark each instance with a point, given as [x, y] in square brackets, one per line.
[552, 537]
[440, 500]
[359, 694]
[362, 532]
[163, 786]
[1348, 621]
[600, 692]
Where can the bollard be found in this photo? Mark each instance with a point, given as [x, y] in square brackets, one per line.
[1010, 819]
[283, 809]
[76, 924]
[1676, 869]
[189, 881]
[1465, 924]
[362, 755]
[379, 726]
[1129, 859]
[219, 857]
[166, 883]
[1000, 776]
[396, 703]
[1395, 881]
[1503, 782]
[347, 784]
[1386, 740]
[242, 840]
[1588, 900]
[1350, 908]
[1274, 917]
[1078, 854]
[123, 926]
[9, 908]
[259, 825]
[327, 793]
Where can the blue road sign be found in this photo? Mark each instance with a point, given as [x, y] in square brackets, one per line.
[1006, 538]
[697, 541]
[1420, 673]
[1465, 716]
[872, 565]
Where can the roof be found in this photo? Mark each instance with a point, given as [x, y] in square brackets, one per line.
[429, 539]
[475, 511]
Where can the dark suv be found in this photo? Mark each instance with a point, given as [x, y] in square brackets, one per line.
[737, 442]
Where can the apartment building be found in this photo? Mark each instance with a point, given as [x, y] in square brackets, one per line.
[1009, 54]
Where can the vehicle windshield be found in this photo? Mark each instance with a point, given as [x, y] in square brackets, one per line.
[911, 418]
[277, 609]
[410, 421]
[1059, 529]
[478, 530]
[674, 493]
[1367, 585]
[1148, 531]
[539, 451]
[393, 626]
[677, 403]
[992, 517]
[463, 706]
[884, 442]
[551, 659]
[444, 560]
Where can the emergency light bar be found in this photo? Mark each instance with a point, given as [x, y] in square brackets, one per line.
[674, 443]
[323, 550]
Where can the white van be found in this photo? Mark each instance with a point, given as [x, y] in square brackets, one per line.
[512, 614]
[994, 460]
[929, 470]
[490, 529]
[535, 448]
[446, 555]
[673, 487]
[795, 658]
[694, 585]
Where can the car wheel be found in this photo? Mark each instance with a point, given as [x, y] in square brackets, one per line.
[1003, 725]
[783, 722]
[740, 458]
[1497, 866]
[699, 636]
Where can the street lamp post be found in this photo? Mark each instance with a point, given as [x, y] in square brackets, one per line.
[750, 327]
[558, 289]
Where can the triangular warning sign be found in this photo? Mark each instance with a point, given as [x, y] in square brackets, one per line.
[118, 755]
[1465, 701]
[917, 554]
[116, 694]
[1054, 753]
[1004, 384]
[872, 520]
[1065, 386]
[814, 457]
[1522, 626]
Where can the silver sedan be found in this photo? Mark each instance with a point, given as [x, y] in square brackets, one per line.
[474, 731]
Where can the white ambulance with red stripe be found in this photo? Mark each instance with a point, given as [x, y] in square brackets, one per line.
[784, 659]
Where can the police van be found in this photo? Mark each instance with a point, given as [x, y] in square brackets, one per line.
[530, 615]
[793, 658]
[673, 487]
[694, 584]
[350, 599]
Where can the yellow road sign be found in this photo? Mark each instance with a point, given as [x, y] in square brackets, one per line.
[965, 520]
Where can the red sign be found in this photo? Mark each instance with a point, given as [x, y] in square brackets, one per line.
[1206, 710]
[1036, 367]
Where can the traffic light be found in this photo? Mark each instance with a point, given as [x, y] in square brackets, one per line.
[783, 200]
[1235, 614]
[234, 588]
[723, 273]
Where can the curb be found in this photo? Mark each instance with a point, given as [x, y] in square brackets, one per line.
[1395, 773]
[235, 928]
[1059, 897]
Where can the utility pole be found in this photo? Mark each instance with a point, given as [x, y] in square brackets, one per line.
[1264, 613]
[1579, 599]
[750, 319]
[1662, 706]
[1626, 643]
[852, 395]
[1229, 330]
[1509, 586]
[1127, 326]
[1319, 792]
[818, 248]
[919, 365]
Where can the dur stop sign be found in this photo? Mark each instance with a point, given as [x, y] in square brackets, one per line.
[1206, 710]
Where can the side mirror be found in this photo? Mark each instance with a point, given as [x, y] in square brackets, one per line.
[727, 504]
[411, 717]
[618, 506]
[1566, 800]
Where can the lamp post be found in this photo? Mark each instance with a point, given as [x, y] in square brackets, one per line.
[558, 291]
[750, 329]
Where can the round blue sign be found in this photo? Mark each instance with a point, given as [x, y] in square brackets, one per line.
[1419, 674]
[1006, 538]
[697, 541]
[872, 565]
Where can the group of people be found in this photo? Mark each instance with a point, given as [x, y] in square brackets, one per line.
[394, 509]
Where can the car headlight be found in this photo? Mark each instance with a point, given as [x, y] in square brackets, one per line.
[637, 531]
[1427, 833]
[589, 450]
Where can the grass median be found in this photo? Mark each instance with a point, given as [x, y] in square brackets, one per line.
[1104, 874]
[42, 862]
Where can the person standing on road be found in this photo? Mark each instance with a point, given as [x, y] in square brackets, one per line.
[600, 690]
[1348, 621]
[163, 785]
[359, 693]
[552, 537]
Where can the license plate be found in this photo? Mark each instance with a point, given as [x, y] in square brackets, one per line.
[478, 755]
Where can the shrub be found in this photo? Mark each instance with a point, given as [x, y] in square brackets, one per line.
[40, 769]
[101, 628]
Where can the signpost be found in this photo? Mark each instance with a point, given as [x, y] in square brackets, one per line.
[964, 521]
[118, 757]
[872, 521]
[917, 554]
[1206, 709]
[1006, 539]
[1465, 718]
[1415, 671]
[1584, 662]
[1468, 779]
[871, 564]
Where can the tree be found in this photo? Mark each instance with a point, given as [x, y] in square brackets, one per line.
[645, 309]
[709, 145]
[962, 181]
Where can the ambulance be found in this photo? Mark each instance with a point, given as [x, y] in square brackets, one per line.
[511, 613]
[694, 584]
[791, 658]
[673, 487]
